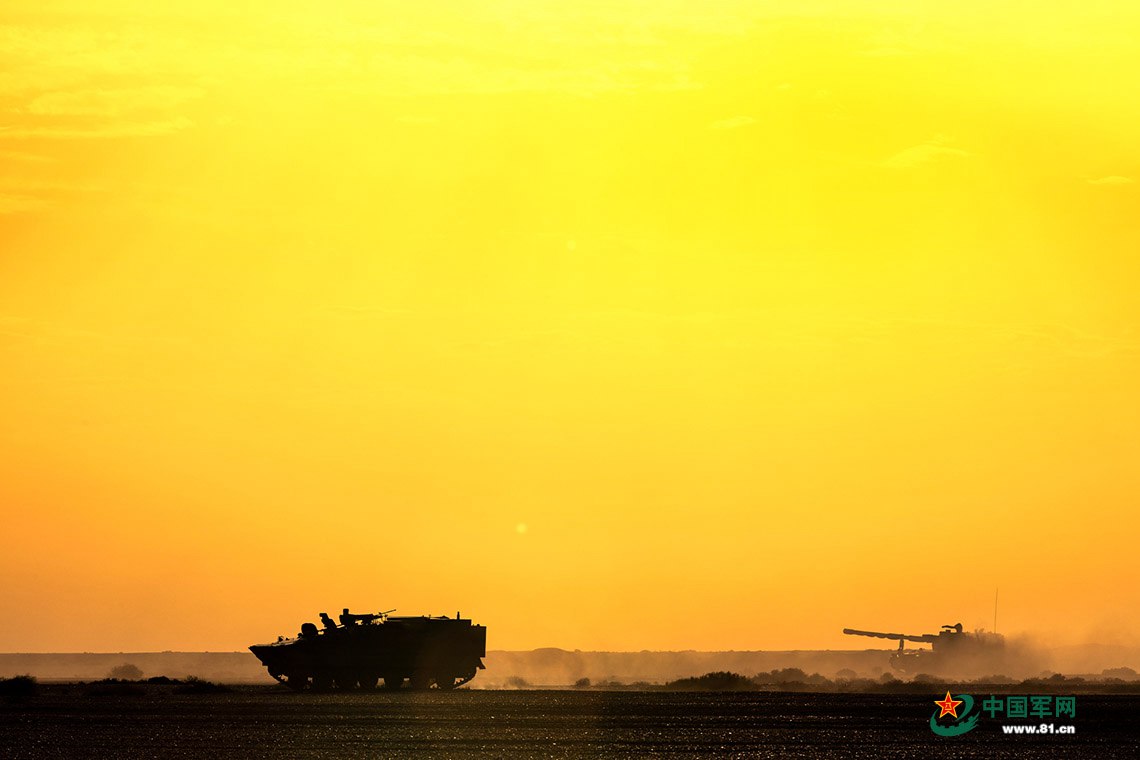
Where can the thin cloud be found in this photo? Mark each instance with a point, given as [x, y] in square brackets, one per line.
[1042, 338]
[31, 158]
[127, 129]
[921, 155]
[25, 185]
[117, 102]
[1114, 179]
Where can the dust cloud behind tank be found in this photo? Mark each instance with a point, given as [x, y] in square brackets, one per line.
[952, 652]
[362, 650]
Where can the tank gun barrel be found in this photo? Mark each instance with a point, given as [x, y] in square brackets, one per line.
[926, 638]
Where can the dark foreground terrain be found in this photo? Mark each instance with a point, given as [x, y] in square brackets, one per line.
[266, 722]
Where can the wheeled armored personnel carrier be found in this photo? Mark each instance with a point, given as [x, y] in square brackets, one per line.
[952, 651]
[363, 649]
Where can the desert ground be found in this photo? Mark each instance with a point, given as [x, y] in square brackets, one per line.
[72, 720]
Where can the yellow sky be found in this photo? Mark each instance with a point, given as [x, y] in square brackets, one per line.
[633, 325]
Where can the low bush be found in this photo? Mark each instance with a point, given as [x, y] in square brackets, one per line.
[18, 686]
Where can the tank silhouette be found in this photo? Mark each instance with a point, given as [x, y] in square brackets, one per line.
[951, 650]
[363, 649]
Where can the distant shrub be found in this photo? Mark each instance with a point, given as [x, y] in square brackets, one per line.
[858, 686]
[112, 687]
[582, 683]
[789, 675]
[846, 674]
[18, 686]
[517, 682]
[995, 679]
[609, 683]
[717, 681]
[195, 685]
[126, 672]
[926, 678]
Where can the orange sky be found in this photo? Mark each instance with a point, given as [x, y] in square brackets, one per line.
[616, 325]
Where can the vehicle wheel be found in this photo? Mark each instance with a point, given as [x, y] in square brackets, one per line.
[322, 682]
[346, 681]
[446, 683]
[367, 681]
[420, 681]
[393, 682]
[297, 682]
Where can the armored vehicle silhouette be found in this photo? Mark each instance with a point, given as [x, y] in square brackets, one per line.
[363, 649]
[951, 650]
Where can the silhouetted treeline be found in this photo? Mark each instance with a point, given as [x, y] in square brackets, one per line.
[120, 687]
[794, 679]
[718, 681]
[220, 667]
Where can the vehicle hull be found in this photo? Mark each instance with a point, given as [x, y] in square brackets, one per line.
[424, 651]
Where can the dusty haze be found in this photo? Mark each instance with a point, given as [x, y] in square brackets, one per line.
[559, 667]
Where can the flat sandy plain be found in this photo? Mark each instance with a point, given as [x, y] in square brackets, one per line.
[270, 722]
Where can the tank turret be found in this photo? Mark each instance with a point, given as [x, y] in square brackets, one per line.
[365, 648]
[952, 650]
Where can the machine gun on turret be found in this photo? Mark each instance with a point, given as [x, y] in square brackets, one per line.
[349, 618]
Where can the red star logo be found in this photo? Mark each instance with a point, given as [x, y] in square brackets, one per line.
[949, 705]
